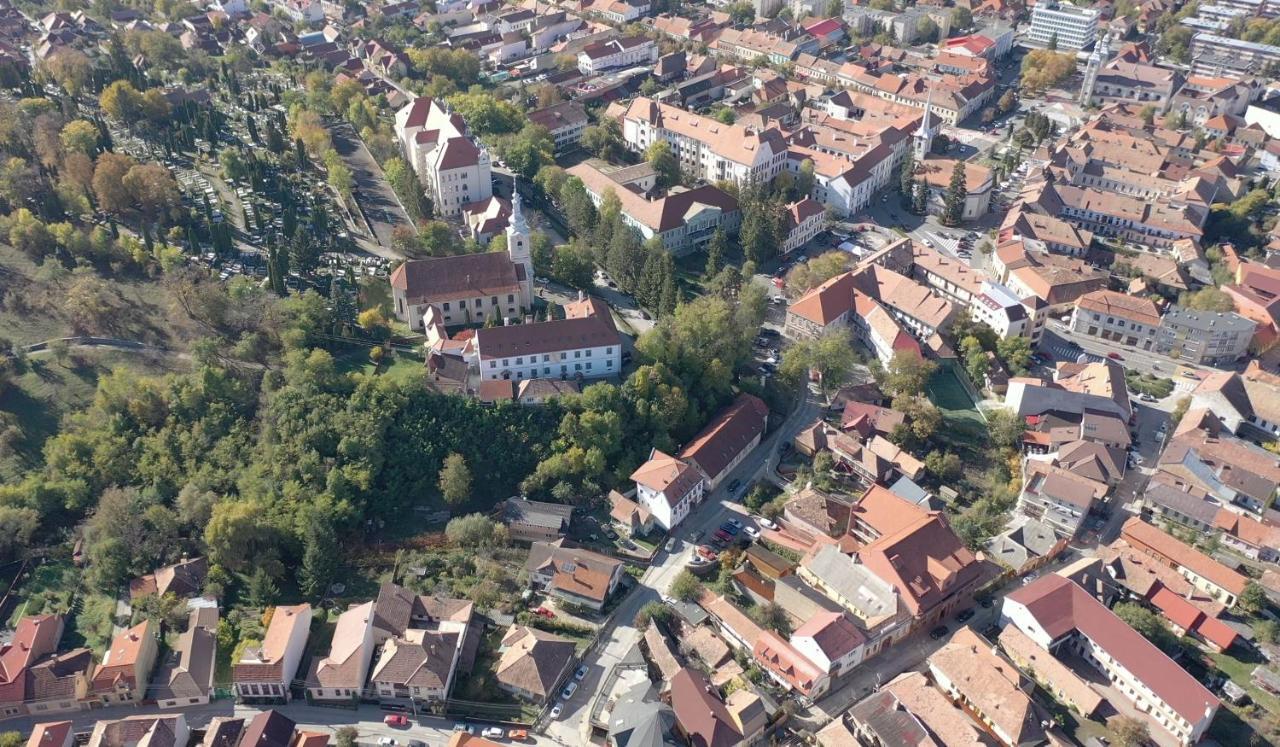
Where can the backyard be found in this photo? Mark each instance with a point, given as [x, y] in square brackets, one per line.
[966, 428]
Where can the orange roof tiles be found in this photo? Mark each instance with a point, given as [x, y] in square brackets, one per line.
[1151, 539]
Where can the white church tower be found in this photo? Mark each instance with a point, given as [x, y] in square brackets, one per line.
[519, 249]
[1101, 51]
[922, 139]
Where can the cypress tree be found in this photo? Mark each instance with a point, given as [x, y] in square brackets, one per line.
[715, 253]
[953, 204]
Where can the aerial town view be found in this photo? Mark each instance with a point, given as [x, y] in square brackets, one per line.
[634, 373]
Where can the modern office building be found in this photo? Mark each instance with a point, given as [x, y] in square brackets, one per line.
[1067, 26]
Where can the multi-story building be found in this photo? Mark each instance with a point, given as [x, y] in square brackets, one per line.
[668, 487]
[1058, 497]
[1119, 317]
[453, 167]
[727, 439]
[994, 304]
[684, 219]
[1204, 337]
[36, 636]
[565, 121]
[469, 289]
[615, 53]
[1205, 573]
[266, 672]
[1063, 619]
[583, 345]
[1066, 25]
[1214, 55]
[706, 148]
[804, 220]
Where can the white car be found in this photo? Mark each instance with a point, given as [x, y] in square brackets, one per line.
[581, 673]
[752, 532]
[766, 523]
[569, 690]
[492, 732]
[386, 742]
[556, 709]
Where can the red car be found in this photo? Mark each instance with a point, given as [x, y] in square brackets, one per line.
[544, 612]
[706, 552]
[1114, 356]
[397, 720]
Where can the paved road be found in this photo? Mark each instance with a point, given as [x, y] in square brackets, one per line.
[367, 721]
[622, 634]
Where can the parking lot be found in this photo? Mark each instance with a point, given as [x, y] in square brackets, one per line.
[373, 194]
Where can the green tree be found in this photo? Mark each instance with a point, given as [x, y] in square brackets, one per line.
[773, 617]
[474, 531]
[831, 356]
[12, 739]
[572, 265]
[455, 480]
[1130, 732]
[346, 736]
[604, 140]
[1015, 352]
[1254, 598]
[319, 555]
[1044, 68]
[1179, 410]
[1148, 624]
[953, 202]
[261, 590]
[686, 587]
[961, 18]
[906, 374]
[1207, 299]
[716, 250]
[663, 160]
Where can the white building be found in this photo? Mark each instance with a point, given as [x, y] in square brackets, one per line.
[668, 487]
[805, 219]
[1063, 619]
[451, 166]
[583, 345]
[625, 52]
[832, 641]
[706, 148]
[1072, 27]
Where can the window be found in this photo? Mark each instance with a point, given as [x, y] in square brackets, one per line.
[493, 364]
[520, 361]
[588, 365]
[493, 300]
[546, 371]
[479, 302]
[511, 298]
[546, 358]
[577, 354]
[562, 356]
[577, 367]
[506, 362]
[588, 353]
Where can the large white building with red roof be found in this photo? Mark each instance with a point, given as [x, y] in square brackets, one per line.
[1065, 620]
[453, 168]
[668, 487]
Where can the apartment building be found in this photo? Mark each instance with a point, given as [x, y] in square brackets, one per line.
[748, 45]
[1204, 337]
[1203, 456]
[626, 51]
[1133, 321]
[1221, 56]
[565, 121]
[1059, 497]
[453, 167]
[469, 289]
[266, 672]
[1068, 26]
[685, 220]
[1202, 571]
[1062, 618]
[805, 219]
[706, 148]
[1247, 403]
[1055, 281]
[993, 304]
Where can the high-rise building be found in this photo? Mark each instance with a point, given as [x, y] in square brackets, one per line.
[1063, 25]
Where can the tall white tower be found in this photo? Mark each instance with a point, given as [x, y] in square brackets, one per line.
[1101, 51]
[518, 247]
[922, 140]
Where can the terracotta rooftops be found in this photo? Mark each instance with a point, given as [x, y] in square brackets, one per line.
[513, 340]
[1134, 308]
[1061, 607]
[727, 435]
[1150, 539]
[438, 279]
[668, 475]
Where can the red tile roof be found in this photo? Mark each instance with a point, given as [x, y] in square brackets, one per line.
[727, 435]
[781, 658]
[1150, 539]
[925, 561]
[701, 716]
[1061, 606]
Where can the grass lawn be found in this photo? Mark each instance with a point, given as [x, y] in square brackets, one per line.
[1229, 727]
[404, 368]
[49, 588]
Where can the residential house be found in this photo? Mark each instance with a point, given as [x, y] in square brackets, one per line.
[535, 521]
[573, 574]
[182, 579]
[668, 488]
[125, 670]
[1128, 320]
[267, 672]
[51, 734]
[1202, 571]
[59, 682]
[1076, 387]
[1055, 677]
[1060, 497]
[631, 518]
[872, 601]
[832, 641]
[186, 675]
[701, 717]
[908, 710]
[805, 219]
[1056, 281]
[970, 672]
[1062, 618]
[397, 611]
[35, 637]
[727, 439]
[419, 665]
[1248, 536]
[340, 676]
[1202, 456]
[141, 731]
[1026, 547]
[269, 728]
[789, 667]
[532, 663]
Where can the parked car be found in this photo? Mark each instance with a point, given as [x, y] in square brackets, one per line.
[463, 726]
[556, 710]
[544, 612]
[697, 560]
[707, 552]
[964, 615]
[397, 720]
[938, 632]
[733, 486]
[493, 732]
[729, 529]
[766, 523]
[721, 536]
[735, 523]
[672, 544]
[752, 532]
[569, 690]
[517, 735]
[1115, 356]
[386, 742]
[582, 672]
